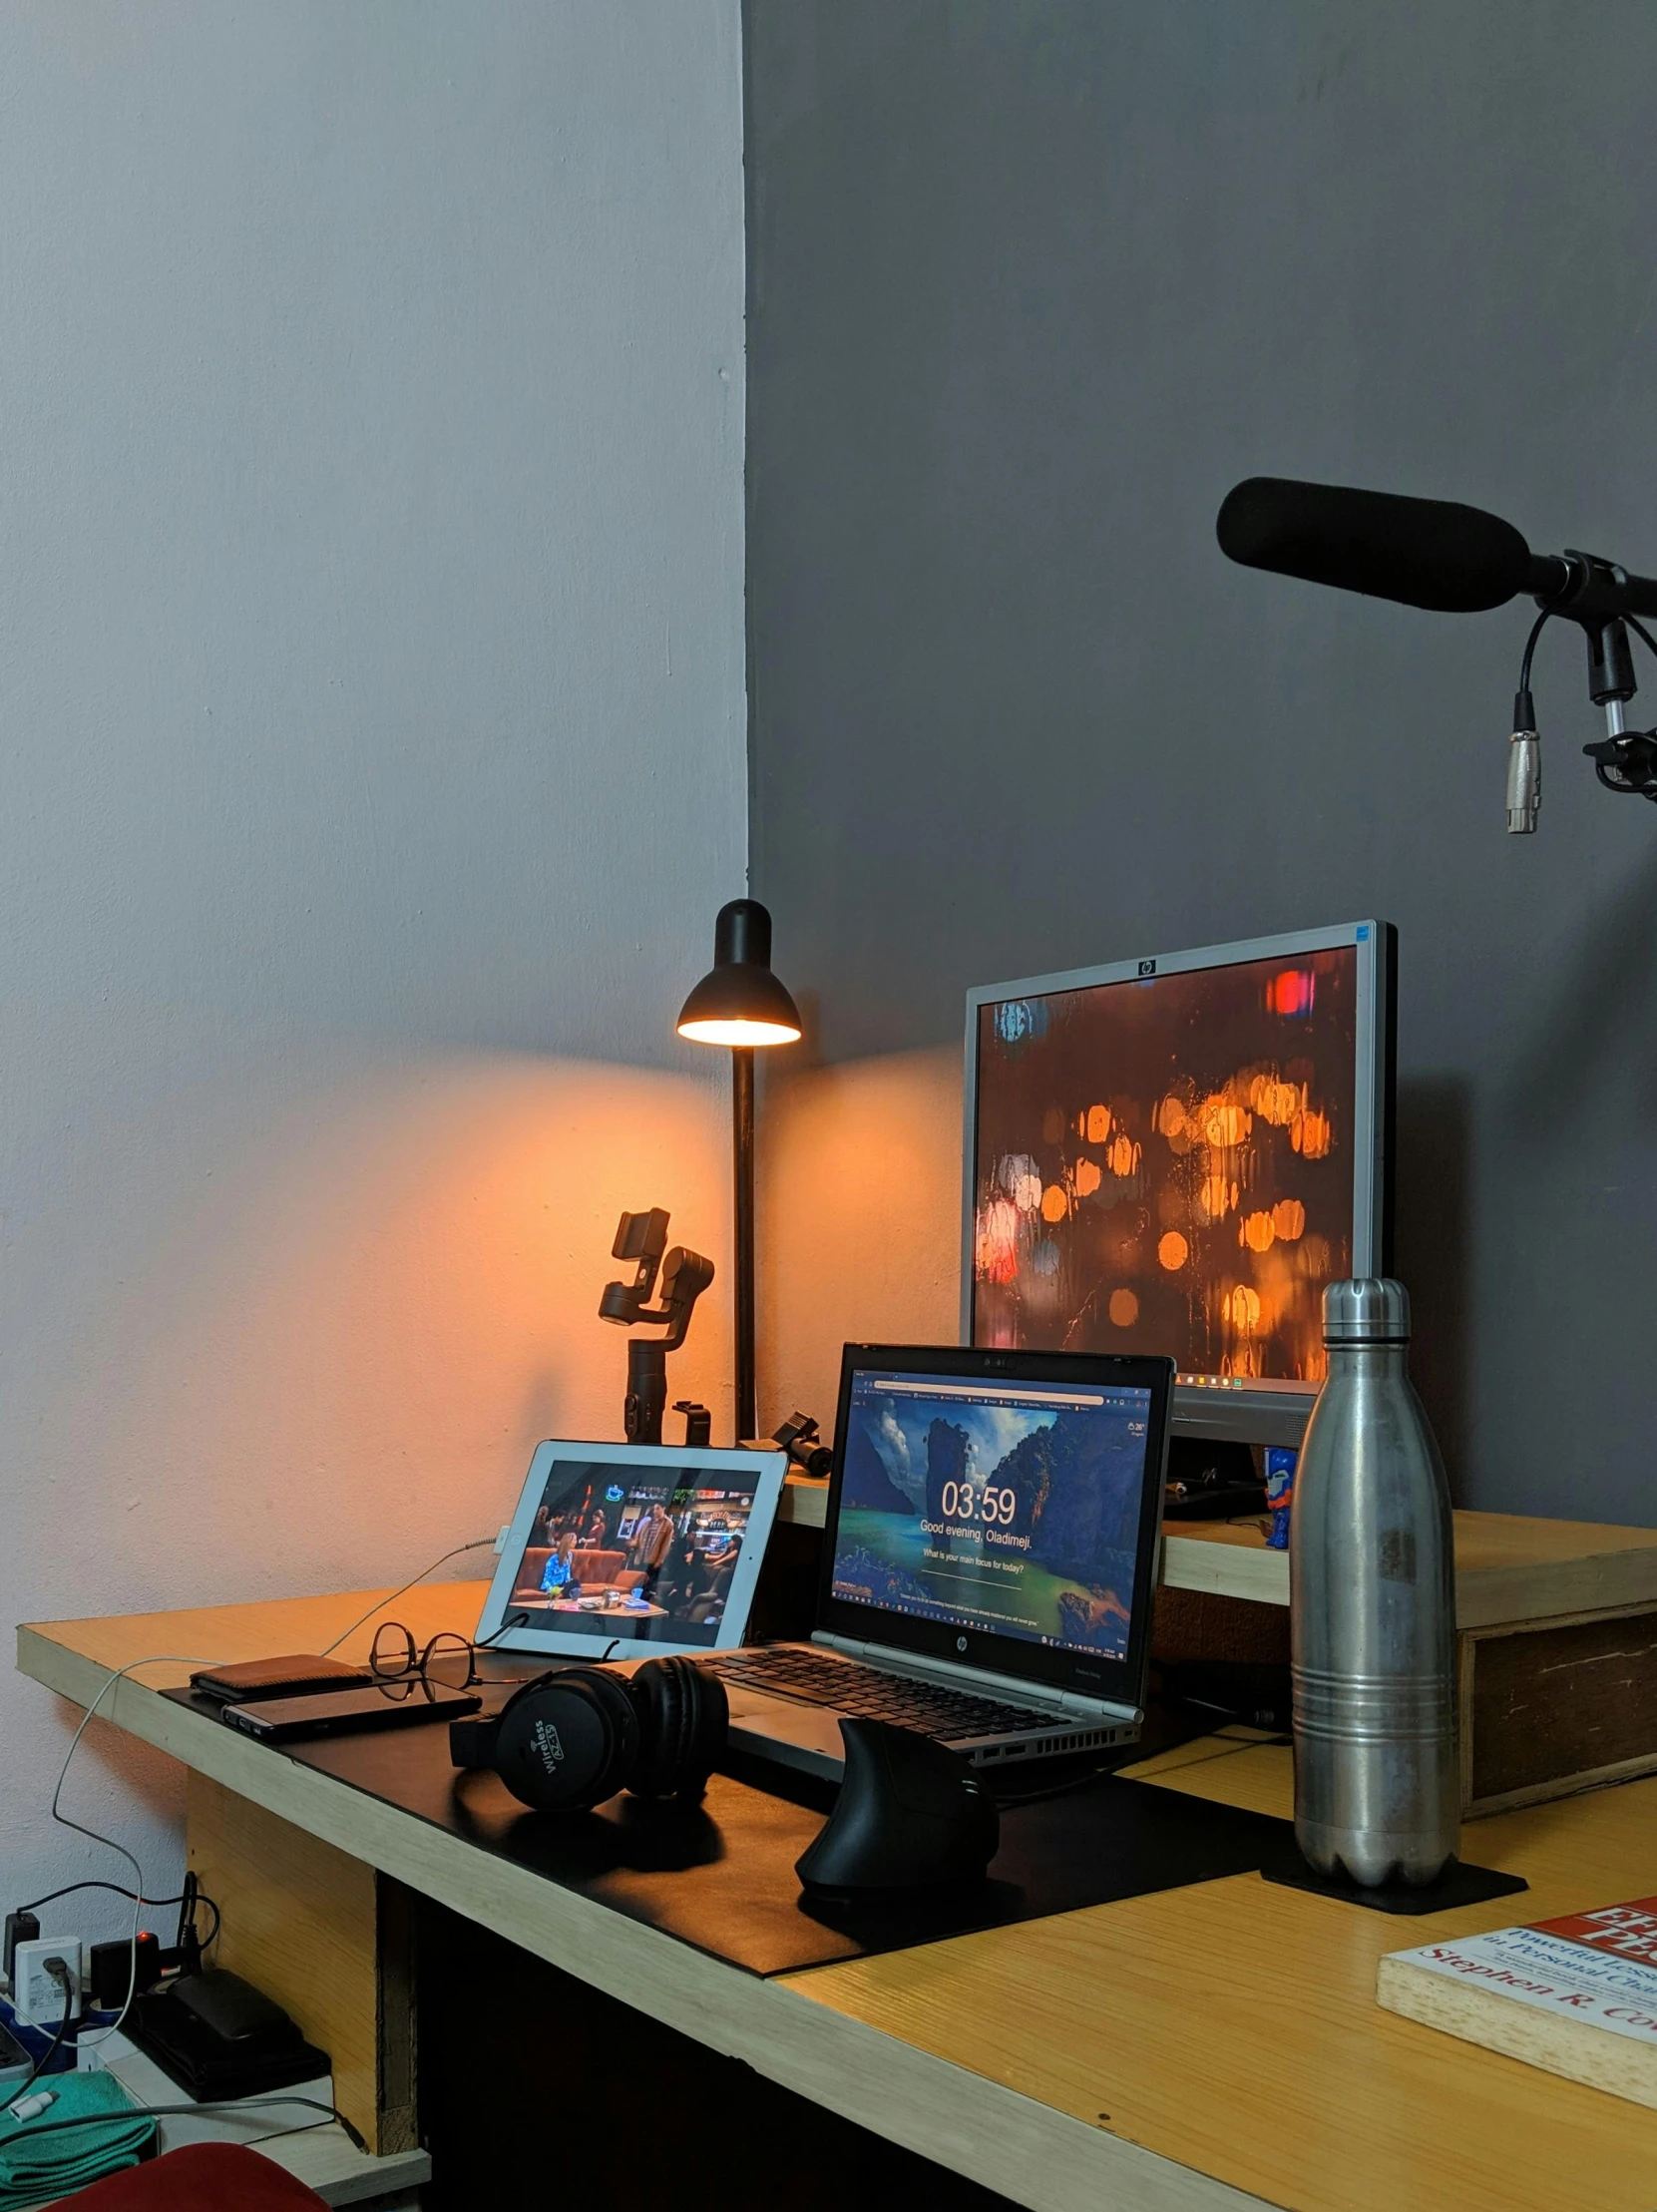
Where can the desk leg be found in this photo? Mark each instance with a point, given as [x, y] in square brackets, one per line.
[325, 1936]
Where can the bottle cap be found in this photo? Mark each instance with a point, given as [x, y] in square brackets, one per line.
[1373, 1309]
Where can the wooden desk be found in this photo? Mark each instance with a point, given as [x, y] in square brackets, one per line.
[1508, 1567]
[1212, 2047]
[1556, 1643]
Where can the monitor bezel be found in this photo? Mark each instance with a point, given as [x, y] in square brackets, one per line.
[1092, 1674]
[1231, 1406]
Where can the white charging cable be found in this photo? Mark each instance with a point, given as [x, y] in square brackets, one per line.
[480, 1544]
[172, 1658]
[164, 1658]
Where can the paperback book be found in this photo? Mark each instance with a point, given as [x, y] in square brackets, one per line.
[1576, 1995]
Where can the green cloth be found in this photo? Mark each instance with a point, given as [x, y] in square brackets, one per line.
[37, 2164]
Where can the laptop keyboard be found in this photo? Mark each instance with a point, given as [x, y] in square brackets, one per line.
[854, 1688]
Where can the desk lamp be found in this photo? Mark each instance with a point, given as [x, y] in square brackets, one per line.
[740, 1003]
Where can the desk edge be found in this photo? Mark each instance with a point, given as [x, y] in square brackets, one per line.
[1034, 2153]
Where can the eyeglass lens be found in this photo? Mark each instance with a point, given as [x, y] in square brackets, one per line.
[392, 1652]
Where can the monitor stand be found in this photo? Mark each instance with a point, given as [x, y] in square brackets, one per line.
[1254, 1413]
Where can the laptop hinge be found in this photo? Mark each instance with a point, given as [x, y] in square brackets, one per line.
[980, 1681]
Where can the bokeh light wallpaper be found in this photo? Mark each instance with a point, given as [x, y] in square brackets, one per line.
[1166, 1165]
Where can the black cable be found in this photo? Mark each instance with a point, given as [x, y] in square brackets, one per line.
[120, 1890]
[1530, 648]
[31, 2128]
[1641, 631]
[282, 2134]
[60, 1974]
[1056, 1789]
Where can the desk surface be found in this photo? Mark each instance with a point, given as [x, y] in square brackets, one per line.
[1508, 1567]
[1210, 2047]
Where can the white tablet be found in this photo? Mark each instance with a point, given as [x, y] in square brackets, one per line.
[619, 1545]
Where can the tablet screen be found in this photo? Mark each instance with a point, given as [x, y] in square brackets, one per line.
[648, 1549]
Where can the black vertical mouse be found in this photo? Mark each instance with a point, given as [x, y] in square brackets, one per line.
[911, 1815]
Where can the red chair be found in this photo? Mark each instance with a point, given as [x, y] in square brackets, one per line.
[203, 2177]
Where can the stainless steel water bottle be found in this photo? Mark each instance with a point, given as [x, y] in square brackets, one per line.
[1372, 1583]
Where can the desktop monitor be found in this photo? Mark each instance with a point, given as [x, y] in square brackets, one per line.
[1174, 1154]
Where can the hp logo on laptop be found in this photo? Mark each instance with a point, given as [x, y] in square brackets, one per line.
[961, 1643]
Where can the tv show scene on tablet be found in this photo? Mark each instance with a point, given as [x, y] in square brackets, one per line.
[1166, 1165]
[1011, 1509]
[645, 1552]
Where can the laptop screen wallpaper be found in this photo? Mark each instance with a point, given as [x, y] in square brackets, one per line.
[1009, 1508]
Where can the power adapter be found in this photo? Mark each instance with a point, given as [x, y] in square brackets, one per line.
[37, 1995]
[116, 1967]
[19, 1927]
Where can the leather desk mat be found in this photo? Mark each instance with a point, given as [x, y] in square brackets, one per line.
[721, 1875]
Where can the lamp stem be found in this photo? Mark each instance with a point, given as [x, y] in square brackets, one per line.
[742, 1152]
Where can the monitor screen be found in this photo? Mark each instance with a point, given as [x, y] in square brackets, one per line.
[1012, 1509]
[643, 1550]
[1177, 1158]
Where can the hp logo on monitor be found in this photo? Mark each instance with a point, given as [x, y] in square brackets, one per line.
[961, 1643]
[1147, 967]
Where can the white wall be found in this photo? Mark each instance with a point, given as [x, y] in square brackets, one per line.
[371, 767]
[859, 1218]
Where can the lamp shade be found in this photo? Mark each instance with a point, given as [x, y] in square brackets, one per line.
[739, 1000]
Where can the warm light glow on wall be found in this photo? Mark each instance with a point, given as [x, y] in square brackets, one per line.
[860, 1218]
[355, 1341]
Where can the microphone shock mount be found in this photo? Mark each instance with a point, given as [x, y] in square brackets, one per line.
[1624, 759]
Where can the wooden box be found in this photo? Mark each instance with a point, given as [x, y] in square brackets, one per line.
[1556, 1643]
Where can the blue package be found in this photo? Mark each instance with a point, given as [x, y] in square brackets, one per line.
[1280, 1491]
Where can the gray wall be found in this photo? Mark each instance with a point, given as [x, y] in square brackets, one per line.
[1029, 286]
[372, 759]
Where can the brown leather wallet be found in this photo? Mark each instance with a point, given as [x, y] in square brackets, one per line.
[296, 1676]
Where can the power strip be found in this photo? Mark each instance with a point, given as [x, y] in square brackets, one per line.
[37, 1997]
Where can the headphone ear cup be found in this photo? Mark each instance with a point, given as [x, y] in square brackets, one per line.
[711, 1718]
[683, 1715]
[568, 1741]
[658, 1701]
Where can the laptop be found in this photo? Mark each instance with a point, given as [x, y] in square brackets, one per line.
[989, 1554]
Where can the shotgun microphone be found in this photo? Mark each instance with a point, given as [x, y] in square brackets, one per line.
[1456, 560]
[1430, 552]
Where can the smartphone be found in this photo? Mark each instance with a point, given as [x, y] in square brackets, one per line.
[407, 1704]
[288, 1677]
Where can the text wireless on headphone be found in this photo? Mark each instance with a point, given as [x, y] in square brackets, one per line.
[566, 1742]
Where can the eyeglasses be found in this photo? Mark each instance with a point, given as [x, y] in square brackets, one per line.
[448, 1661]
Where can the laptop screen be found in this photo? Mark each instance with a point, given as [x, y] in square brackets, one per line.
[1010, 1505]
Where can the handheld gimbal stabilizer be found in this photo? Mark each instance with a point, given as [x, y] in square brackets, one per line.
[684, 1276]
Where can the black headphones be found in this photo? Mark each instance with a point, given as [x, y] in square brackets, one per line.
[567, 1741]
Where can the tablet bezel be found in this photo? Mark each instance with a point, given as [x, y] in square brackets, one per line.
[764, 1470]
